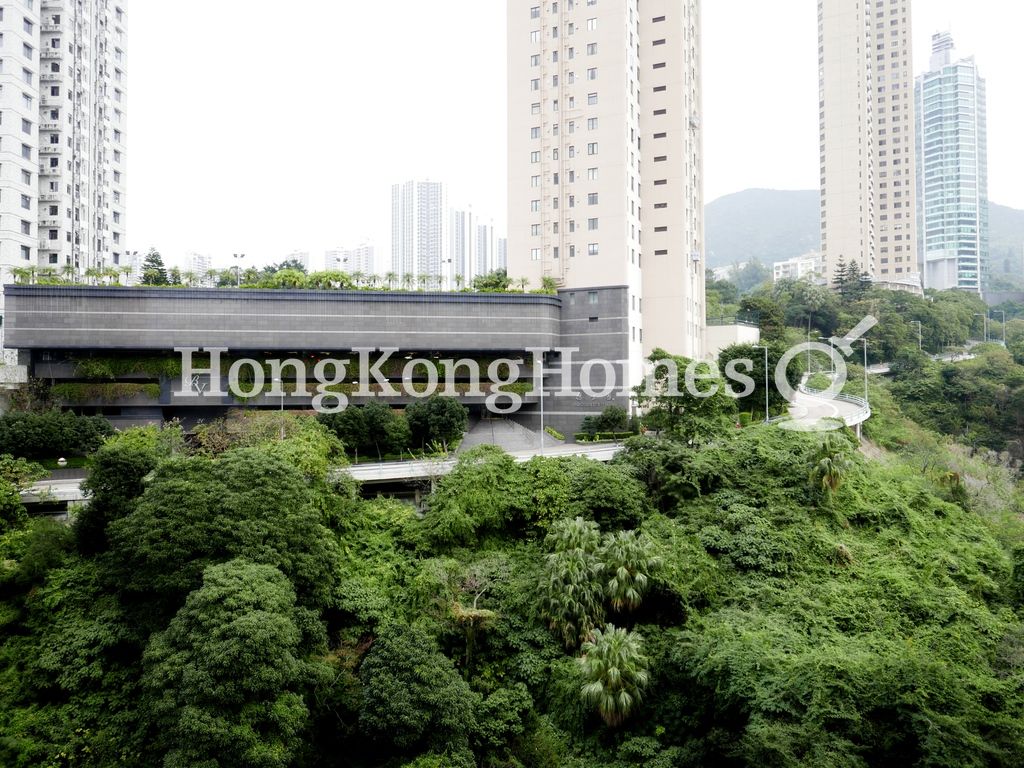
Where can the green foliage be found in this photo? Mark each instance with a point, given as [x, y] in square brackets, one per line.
[612, 419]
[615, 673]
[78, 393]
[225, 680]
[495, 282]
[412, 695]
[693, 411]
[51, 434]
[438, 419]
[153, 270]
[16, 475]
[197, 512]
[628, 562]
[571, 588]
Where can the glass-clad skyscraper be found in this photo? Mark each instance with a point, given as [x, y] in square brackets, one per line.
[952, 171]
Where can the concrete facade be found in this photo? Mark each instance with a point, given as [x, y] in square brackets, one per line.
[605, 168]
[58, 327]
[63, 93]
[867, 133]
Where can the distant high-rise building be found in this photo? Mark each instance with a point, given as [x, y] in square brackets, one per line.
[352, 260]
[501, 261]
[605, 159]
[64, 135]
[866, 106]
[418, 228]
[299, 257]
[952, 171]
[199, 265]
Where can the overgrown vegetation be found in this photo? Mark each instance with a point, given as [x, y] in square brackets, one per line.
[754, 597]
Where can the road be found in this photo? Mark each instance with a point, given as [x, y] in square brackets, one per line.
[70, 490]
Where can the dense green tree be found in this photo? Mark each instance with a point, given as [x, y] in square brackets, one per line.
[440, 420]
[198, 512]
[16, 475]
[413, 699]
[153, 270]
[615, 672]
[51, 434]
[225, 681]
[672, 408]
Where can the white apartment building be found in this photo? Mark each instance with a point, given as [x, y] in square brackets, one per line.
[809, 266]
[605, 158]
[198, 266]
[867, 126]
[418, 229]
[63, 135]
[351, 260]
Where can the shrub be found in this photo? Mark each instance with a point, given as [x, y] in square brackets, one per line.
[51, 434]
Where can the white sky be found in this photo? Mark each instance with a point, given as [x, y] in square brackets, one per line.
[283, 130]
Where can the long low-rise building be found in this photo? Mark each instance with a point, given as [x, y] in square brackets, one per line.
[116, 351]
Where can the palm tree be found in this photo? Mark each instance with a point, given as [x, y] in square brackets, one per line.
[523, 282]
[571, 590]
[628, 562]
[831, 465]
[189, 278]
[424, 280]
[70, 273]
[47, 275]
[211, 276]
[127, 272]
[357, 278]
[408, 281]
[23, 275]
[390, 279]
[616, 672]
[459, 282]
[439, 282]
[372, 280]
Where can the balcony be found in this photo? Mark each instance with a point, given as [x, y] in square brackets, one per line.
[49, 223]
[46, 170]
[49, 198]
[49, 126]
[51, 101]
[51, 53]
[51, 77]
[50, 27]
[50, 149]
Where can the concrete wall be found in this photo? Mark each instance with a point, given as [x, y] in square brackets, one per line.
[44, 317]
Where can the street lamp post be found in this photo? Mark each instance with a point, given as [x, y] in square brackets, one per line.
[1003, 313]
[831, 358]
[984, 321]
[280, 383]
[541, 378]
[765, 348]
[866, 398]
[238, 268]
[920, 335]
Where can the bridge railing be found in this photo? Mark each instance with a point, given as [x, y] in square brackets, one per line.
[863, 412]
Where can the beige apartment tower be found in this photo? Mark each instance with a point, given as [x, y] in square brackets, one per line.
[605, 170]
[867, 126]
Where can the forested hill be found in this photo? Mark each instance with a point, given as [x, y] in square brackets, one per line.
[771, 225]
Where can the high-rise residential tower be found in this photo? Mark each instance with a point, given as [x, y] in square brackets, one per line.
[418, 228]
[605, 158]
[867, 120]
[63, 135]
[952, 171]
[352, 260]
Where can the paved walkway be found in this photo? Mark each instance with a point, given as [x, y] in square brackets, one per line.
[506, 434]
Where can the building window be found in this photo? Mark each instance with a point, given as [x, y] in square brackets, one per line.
[592, 73]
[592, 297]
[591, 99]
[535, 132]
[535, 60]
[26, 227]
[535, 109]
[28, 50]
[535, 181]
[592, 225]
[592, 148]
[26, 151]
[591, 174]
[26, 253]
[592, 249]
[591, 25]
[535, 230]
[535, 36]
[535, 12]
[592, 123]
[535, 206]
[535, 157]
[535, 254]
[591, 49]
[535, 84]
